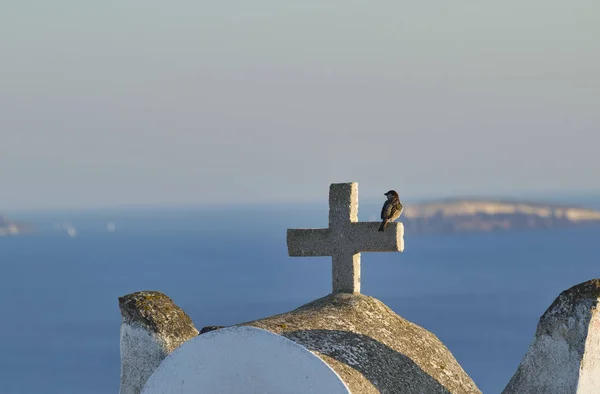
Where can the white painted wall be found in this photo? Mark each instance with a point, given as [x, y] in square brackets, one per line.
[245, 360]
[589, 374]
[142, 352]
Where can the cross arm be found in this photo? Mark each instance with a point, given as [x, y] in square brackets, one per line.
[308, 242]
[366, 238]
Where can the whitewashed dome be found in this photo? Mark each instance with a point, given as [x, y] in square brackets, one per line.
[245, 360]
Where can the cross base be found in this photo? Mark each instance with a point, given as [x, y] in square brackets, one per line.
[345, 273]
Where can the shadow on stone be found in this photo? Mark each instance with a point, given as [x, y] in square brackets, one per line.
[372, 349]
[385, 368]
[206, 329]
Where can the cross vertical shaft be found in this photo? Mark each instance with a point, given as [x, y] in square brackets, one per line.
[345, 272]
[343, 211]
[343, 204]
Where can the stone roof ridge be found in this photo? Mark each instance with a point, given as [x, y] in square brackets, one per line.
[371, 347]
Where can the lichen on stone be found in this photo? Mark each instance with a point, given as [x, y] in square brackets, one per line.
[157, 313]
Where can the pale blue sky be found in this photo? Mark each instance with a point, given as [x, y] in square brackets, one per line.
[127, 102]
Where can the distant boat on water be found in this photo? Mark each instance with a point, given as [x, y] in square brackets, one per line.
[71, 231]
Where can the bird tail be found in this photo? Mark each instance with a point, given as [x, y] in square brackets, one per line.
[383, 225]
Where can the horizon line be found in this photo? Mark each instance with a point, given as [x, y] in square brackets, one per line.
[522, 197]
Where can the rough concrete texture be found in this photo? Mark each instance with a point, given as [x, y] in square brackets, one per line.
[153, 326]
[371, 348]
[345, 238]
[355, 238]
[243, 360]
[564, 356]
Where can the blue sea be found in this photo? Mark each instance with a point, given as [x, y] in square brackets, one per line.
[481, 294]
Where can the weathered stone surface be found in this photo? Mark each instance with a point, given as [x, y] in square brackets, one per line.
[153, 326]
[564, 356]
[371, 348]
[345, 238]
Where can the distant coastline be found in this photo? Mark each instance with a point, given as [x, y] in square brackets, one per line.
[8, 227]
[481, 215]
[439, 216]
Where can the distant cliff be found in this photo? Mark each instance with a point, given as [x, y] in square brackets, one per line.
[8, 227]
[465, 215]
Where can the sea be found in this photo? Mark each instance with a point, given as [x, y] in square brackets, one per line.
[481, 294]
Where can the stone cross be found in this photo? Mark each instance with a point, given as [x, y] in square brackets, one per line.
[345, 238]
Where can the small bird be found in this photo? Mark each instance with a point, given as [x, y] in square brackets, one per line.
[392, 209]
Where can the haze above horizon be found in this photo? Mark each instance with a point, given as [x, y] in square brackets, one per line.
[107, 104]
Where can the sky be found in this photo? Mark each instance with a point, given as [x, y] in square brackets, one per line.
[190, 102]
